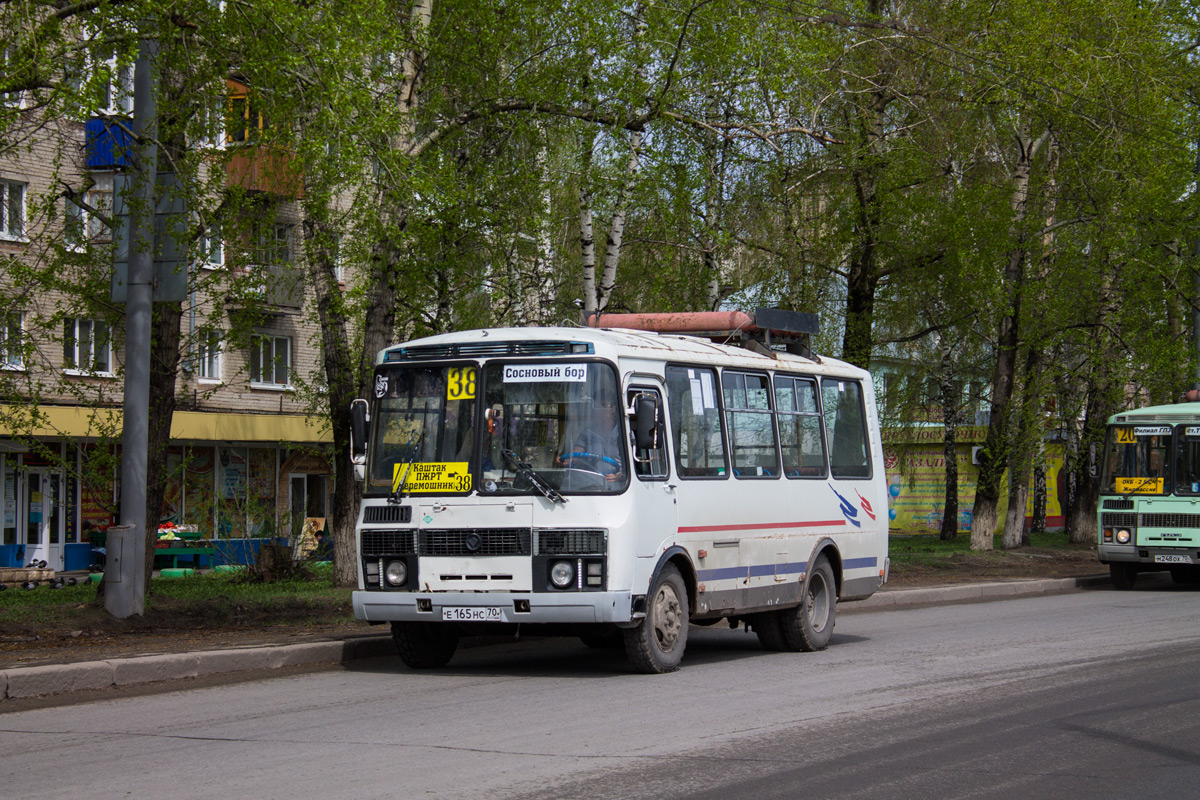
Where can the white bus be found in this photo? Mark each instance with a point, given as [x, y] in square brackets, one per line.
[617, 485]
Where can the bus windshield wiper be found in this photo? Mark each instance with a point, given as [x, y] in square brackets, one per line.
[526, 471]
[1146, 481]
[410, 454]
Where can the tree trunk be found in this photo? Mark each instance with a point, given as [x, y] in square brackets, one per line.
[1081, 517]
[1038, 523]
[950, 412]
[343, 386]
[994, 456]
[862, 280]
[1014, 519]
[587, 233]
[164, 367]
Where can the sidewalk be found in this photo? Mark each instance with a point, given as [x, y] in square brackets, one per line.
[28, 682]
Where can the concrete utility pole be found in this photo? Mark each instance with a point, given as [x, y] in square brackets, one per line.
[124, 580]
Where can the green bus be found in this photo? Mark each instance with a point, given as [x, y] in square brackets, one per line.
[1149, 509]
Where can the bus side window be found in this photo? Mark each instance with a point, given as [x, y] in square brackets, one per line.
[650, 464]
[846, 428]
[800, 427]
[750, 424]
[696, 433]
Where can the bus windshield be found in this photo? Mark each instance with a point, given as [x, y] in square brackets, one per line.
[423, 416]
[544, 426]
[562, 422]
[1137, 460]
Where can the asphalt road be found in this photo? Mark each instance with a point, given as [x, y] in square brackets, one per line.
[1090, 694]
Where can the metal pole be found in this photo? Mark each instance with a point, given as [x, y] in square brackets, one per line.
[1196, 281]
[126, 596]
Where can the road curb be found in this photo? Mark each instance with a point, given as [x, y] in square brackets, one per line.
[26, 682]
[961, 593]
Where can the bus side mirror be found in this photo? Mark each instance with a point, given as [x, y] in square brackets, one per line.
[359, 416]
[1093, 469]
[645, 420]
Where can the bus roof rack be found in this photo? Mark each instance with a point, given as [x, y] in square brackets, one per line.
[766, 327]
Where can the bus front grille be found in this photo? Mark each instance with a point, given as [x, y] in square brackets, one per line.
[476, 542]
[570, 543]
[388, 543]
[1118, 520]
[389, 513]
[1171, 520]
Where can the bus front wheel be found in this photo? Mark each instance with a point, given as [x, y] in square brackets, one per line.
[1123, 575]
[656, 645]
[809, 626]
[423, 645]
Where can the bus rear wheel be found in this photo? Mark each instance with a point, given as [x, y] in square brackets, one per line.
[423, 645]
[1123, 575]
[1185, 576]
[809, 626]
[768, 627]
[656, 644]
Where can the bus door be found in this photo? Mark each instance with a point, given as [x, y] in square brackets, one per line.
[652, 490]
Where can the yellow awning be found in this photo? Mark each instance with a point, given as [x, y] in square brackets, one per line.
[220, 426]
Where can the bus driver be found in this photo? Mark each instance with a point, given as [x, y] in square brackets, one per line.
[598, 446]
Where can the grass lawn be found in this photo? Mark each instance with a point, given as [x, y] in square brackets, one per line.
[214, 594]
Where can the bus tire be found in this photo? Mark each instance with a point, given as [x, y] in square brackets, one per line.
[1123, 575]
[604, 639]
[656, 644]
[809, 626]
[768, 627]
[423, 645]
[1185, 576]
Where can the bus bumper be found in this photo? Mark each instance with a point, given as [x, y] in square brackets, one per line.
[1131, 553]
[514, 607]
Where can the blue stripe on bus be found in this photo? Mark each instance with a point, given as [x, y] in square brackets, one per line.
[767, 570]
[752, 571]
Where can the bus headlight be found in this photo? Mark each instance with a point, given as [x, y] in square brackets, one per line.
[396, 573]
[562, 574]
[1123, 536]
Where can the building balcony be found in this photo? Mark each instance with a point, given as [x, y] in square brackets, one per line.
[261, 168]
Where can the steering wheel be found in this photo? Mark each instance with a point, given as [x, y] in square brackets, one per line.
[598, 461]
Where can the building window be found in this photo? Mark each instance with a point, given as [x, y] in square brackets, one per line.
[212, 248]
[12, 209]
[7, 67]
[84, 226]
[87, 346]
[208, 355]
[116, 87]
[246, 121]
[270, 360]
[272, 244]
[12, 340]
[339, 258]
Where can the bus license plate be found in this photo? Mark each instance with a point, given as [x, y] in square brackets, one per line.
[473, 614]
[1172, 559]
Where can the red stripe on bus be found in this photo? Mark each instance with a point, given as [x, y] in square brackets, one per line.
[710, 528]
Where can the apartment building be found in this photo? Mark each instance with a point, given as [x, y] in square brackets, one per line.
[246, 457]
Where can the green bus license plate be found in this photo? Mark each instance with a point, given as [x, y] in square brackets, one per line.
[1172, 559]
[473, 614]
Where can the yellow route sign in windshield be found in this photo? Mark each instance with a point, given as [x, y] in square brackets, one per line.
[451, 476]
[1139, 485]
